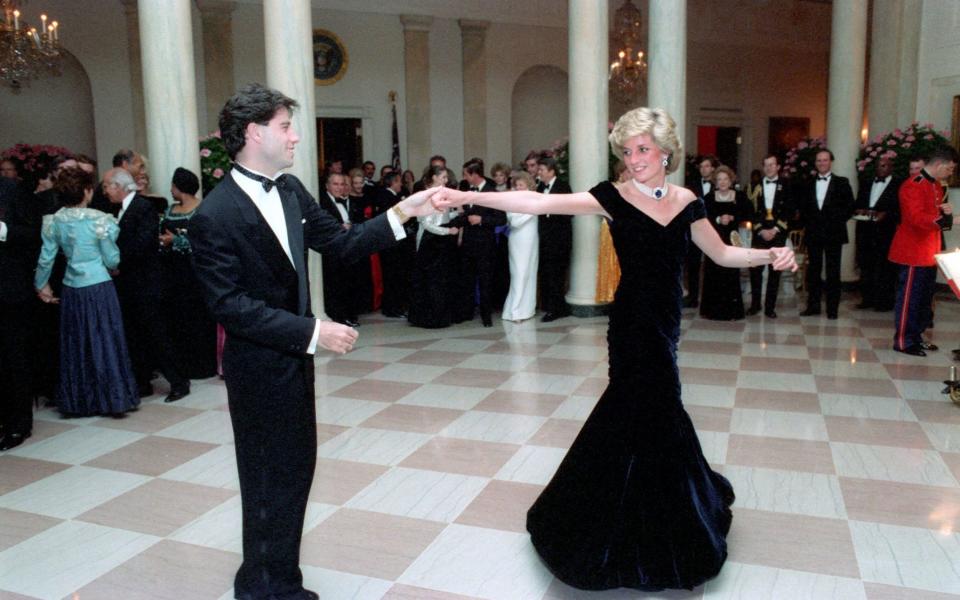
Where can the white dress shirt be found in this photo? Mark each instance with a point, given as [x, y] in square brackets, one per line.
[769, 191]
[3, 231]
[877, 190]
[549, 186]
[706, 185]
[822, 189]
[342, 208]
[125, 204]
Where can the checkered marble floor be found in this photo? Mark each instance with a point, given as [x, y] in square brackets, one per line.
[432, 445]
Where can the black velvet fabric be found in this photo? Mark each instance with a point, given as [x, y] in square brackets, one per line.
[634, 502]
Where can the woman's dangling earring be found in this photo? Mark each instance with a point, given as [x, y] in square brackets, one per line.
[665, 161]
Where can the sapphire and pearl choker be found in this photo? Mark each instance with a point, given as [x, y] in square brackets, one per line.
[655, 193]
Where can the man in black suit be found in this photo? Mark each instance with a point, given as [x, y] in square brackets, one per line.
[706, 164]
[20, 217]
[826, 205]
[479, 247]
[775, 209]
[249, 238]
[556, 245]
[138, 286]
[875, 211]
[339, 279]
[395, 262]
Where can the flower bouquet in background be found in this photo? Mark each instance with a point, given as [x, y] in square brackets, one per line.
[901, 145]
[215, 163]
[34, 159]
[798, 164]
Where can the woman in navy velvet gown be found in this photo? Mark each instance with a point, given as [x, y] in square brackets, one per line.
[634, 503]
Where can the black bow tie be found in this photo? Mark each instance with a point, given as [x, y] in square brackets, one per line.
[821, 178]
[341, 200]
[268, 184]
[705, 181]
[769, 180]
[474, 188]
[880, 180]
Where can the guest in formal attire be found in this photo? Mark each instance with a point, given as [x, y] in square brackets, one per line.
[479, 248]
[774, 210]
[396, 262]
[434, 277]
[524, 245]
[876, 225]
[500, 174]
[249, 239]
[826, 204]
[436, 160]
[194, 334]
[706, 164]
[635, 503]
[531, 164]
[369, 170]
[338, 277]
[361, 196]
[923, 211]
[96, 376]
[555, 240]
[20, 217]
[408, 180]
[138, 287]
[722, 298]
[8, 169]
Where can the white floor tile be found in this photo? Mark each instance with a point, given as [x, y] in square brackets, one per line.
[376, 446]
[70, 493]
[79, 445]
[775, 423]
[212, 427]
[783, 382]
[348, 412]
[216, 468]
[748, 582]
[419, 494]
[445, 396]
[773, 490]
[866, 407]
[532, 464]
[542, 383]
[887, 463]
[494, 427]
[907, 556]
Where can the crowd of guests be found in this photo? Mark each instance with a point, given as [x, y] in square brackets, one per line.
[899, 225]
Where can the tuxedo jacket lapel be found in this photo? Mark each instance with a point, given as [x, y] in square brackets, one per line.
[294, 218]
[262, 236]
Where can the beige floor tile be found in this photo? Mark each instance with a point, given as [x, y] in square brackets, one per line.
[556, 433]
[952, 461]
[168, 570]
[592, 386]
[880, 591]
[856, 386]
[16, 526]
[804, 402]
[519, 348]
[336, 481]
[408, 417]
[151, 418]
[844, 354]
[16, 471]
[775, 365]
[482, 378]
[521, 403]
[799, 542]
[710, 418]
[368, 543]
[379, 391]
[408, 592]
[349, 368]
[435, 358]
[326, 432]
[936, 410]
[562, 366]
[880, 432]
[466, 457]
[780, 453]
[152, 455]
[922, 372]
[832, 330]
[708, 376]
[706, 347]
[501, 505]
[786, 339]
[906, 504]
[158, 507]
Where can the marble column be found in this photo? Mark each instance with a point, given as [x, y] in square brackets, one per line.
[848, 52]
[667, 60]
[884, 88]
[588, 39]
[136, 75]
[473, 35]
[169, 88]
[287, 26]
[416, 69]
[216, 17]
[910, 17]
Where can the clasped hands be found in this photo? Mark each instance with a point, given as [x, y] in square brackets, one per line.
[783, 259]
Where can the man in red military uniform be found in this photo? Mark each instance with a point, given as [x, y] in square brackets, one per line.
[917, 239]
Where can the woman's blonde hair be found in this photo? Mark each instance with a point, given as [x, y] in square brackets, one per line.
[656, 123]
[524, 177]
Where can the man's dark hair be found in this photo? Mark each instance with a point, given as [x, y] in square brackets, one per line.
[72, 184]
[438, 157]
[84, 159]
[253, 103]
[827, 150]
[714, 161]
[387, 168]
[186, 181]
[429, 172]
[123, 155]
[534, 154]
[772, 155]
[368, 162]
[474, 166]
[548, 162]
[389, 178]
[942, 153]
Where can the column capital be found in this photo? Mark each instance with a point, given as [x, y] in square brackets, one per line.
[474, 26]
[416, 22]
[215, 8]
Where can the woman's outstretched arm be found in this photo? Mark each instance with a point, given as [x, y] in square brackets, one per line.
[705, 236]
[531, 203]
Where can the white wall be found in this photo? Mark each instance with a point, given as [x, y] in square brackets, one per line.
[540, 110]
[446, 94]
[939, 72]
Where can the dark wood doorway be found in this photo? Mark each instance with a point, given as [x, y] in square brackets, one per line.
[339, 139]
[722, 142]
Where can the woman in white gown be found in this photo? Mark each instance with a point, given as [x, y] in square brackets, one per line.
[521, 302]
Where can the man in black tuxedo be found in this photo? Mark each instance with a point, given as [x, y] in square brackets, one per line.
[556, 245]
[138, 286]
[877, 202]
[479, 247]
[395, 262]
[775, 209]
[20, 217]
[826, 204]
[339, 279]
[706, 164]
[249, 238]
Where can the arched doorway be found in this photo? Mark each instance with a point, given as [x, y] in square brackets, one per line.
[540, 107]
[51, 110]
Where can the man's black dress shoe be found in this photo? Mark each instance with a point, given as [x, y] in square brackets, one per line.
[913, 351]
[177, 393]
[810, 312]
[832, 316]
[929, 347]
[770, 313]
[753, 310]
[12, 440]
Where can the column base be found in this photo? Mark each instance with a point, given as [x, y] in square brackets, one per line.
[585, 311]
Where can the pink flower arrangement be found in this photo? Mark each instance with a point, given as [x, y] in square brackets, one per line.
[34, 157]
[799, 158]
[900, 145]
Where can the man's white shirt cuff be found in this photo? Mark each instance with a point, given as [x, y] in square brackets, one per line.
[398, 231]
[3, 231]
[312, 348]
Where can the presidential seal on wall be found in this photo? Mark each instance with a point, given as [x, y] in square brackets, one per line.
[329, 57]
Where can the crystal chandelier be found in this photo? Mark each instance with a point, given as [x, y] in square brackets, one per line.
[628, 71]
[25, 52]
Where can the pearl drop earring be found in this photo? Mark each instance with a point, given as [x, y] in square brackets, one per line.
[665, 161]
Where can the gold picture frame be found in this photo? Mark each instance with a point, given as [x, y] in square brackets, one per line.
[330, 57]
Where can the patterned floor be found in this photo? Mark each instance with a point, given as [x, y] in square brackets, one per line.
[844, 455]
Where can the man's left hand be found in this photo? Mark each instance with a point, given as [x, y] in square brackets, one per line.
[474, 219]
[418, 205]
